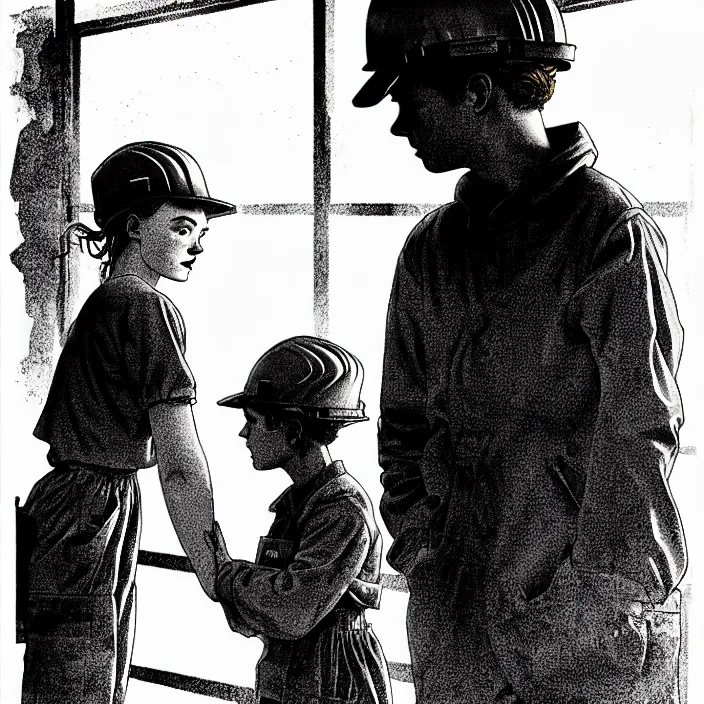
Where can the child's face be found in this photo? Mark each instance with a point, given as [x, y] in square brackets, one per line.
[269, 448]
[170, 240]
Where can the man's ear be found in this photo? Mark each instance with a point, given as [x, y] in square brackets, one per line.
[133, 224]
[479, 90]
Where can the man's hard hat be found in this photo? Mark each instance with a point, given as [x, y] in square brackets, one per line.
[148, 171]
[401, 33]
[309, 374]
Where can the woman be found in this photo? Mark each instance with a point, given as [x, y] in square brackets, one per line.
[120, 396]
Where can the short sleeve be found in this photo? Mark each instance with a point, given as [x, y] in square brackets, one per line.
[155, 345]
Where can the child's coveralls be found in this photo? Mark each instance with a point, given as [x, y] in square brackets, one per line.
[316, 572]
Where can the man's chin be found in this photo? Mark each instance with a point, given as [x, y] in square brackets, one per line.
[433, 165]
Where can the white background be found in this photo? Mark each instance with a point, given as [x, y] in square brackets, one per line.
[235, 89]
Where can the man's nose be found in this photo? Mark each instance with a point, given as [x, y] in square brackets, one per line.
[245, 431]
[399, 127]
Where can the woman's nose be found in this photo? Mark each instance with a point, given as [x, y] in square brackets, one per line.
[195, 248]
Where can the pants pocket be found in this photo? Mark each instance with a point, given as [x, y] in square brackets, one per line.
[660, 682]
[70, 654]
[584, 639]
[58, 640]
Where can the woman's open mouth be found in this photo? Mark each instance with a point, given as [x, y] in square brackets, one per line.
[189, 263]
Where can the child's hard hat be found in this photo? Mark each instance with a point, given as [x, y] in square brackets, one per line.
[405, 32]
[306, 373]
[145, 171]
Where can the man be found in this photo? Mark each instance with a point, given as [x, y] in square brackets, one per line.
[529, 409]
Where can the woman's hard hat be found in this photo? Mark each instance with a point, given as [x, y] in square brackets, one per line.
[146, 171]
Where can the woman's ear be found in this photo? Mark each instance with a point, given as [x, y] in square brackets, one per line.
[133, 225]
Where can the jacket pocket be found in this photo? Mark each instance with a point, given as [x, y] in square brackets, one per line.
[414, 538]
[585, 633]
[567, 479]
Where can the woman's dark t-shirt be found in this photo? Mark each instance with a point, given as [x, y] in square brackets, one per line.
[124, 354]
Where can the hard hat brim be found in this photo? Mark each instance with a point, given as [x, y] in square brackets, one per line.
[212, 207]
[376, 88]
[235, 401]
[560, 55]
[341, 415]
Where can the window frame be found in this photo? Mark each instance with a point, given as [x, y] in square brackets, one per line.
[70, 33]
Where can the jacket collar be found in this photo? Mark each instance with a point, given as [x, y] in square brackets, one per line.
[571, 148]
[295, 497]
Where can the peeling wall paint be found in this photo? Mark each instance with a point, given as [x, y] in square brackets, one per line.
[36, 186]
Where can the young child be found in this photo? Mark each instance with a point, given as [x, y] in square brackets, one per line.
[317, 570]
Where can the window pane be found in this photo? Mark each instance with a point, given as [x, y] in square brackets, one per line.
[363, 254]
[180, 630]
[630, 86]
[233, 88]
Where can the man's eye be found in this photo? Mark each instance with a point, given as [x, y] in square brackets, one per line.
[184, 231]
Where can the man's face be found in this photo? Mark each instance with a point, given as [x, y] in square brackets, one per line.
[269, 447]
[170, 240]
[437, 129]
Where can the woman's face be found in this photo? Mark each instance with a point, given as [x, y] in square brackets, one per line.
[170, 239]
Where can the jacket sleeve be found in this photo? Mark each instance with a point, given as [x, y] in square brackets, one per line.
[235, 621]
[403, 425]
[288, 603]
[628, 523]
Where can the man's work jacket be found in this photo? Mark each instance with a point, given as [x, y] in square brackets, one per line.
[529, 409]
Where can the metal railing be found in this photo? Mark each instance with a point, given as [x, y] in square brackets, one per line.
[399, 671]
